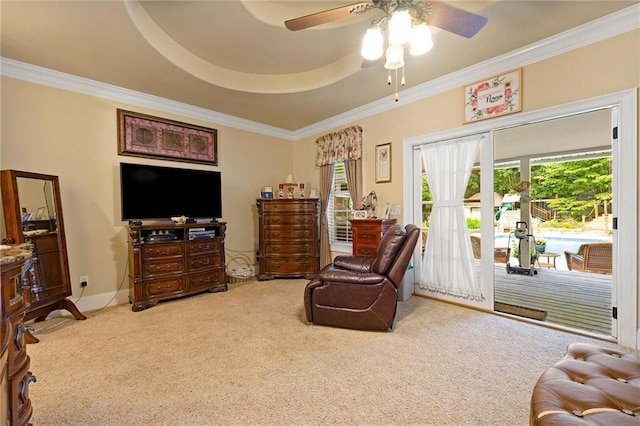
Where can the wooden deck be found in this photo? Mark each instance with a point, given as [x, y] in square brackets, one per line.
[573, 299]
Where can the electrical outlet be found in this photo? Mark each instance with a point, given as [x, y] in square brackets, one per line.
[84, 280]
[394, 209]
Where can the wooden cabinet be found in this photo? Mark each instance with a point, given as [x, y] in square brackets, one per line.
[367, 234]
[174, 260]
[15, 407]
[289, 243]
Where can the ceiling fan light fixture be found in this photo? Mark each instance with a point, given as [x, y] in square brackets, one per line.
[372, 44]
[421, 41]
[395, 57]
[400, 27]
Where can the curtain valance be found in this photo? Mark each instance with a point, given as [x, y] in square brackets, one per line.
[342, 145]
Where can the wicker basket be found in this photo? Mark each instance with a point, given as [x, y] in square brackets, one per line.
[239, 269]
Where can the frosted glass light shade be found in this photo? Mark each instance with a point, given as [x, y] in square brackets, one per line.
[400, 27]
[372, 44]
[395, 57]
[421, 41]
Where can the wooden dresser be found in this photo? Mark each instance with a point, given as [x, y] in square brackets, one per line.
[172, 260]
[15, 407]
[367, 234]
[289, 239]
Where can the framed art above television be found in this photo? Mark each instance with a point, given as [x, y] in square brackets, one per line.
[142, 135]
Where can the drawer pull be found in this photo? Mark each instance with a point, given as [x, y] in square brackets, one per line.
[19, 337]
[22, 391]
[201, 281]
[204, 262]
[162, 268]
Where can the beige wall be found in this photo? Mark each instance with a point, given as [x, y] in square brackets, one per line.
[602, 68]
[605, 67]
[74, 136]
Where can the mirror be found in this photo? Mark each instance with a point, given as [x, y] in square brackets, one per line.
[33, 214]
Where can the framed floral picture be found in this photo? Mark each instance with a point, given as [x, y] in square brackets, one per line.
[493, 97]
[383, 163]
[142, 135]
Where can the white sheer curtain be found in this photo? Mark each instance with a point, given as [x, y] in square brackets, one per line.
[448, 266]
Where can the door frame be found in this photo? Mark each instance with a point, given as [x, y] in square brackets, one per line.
[626, 151]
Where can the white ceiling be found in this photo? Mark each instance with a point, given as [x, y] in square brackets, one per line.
[224, 55]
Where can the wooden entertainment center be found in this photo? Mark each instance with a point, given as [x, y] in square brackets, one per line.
[168, 260]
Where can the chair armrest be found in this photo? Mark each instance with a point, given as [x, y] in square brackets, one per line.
[354, 263]
[342, 276]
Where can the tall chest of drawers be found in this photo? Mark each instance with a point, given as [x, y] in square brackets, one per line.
[289, 243]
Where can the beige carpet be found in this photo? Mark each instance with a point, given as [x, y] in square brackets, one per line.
[247, 356]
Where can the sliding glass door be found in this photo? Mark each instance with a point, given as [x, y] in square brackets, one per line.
[541, 199]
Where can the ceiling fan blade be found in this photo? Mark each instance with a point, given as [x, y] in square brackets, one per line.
[326, 16]
[455, 20]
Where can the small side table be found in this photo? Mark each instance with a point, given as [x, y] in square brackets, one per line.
[367, 234]
[551, 259]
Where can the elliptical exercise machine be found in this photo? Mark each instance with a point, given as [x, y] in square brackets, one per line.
[521, 234]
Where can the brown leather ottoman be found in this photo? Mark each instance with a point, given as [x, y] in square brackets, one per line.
[590, 385]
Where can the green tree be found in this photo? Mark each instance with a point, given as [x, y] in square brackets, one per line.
[505, 180]
[576, 187]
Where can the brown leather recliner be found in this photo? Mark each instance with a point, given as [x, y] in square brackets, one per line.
[362, 292]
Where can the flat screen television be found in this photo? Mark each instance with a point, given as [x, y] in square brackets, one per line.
[154, 192]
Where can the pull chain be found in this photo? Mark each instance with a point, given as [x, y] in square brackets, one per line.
[397, 97]
[402, 83]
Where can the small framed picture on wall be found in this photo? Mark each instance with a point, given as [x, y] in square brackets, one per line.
[383, 163]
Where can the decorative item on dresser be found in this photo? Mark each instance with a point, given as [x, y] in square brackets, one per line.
[48, 280]
[15, 405]
[367, 234]
[168, 260]
[289, 244]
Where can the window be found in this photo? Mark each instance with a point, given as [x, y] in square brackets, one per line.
[339, 210]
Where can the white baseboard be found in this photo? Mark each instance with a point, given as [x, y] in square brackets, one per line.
[93, 302]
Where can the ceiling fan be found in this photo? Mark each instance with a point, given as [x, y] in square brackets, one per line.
[405, 22]
[435, 13]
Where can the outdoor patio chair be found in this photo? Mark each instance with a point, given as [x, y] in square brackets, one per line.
[500, 254]
[591, 257]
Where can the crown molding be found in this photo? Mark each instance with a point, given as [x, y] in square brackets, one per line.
[600, 29]
[592, 32]
[60, 80]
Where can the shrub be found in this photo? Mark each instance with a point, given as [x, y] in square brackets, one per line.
[473, 223]
[560, 224]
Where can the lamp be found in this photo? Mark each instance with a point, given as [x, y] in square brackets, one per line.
[372, 44]
[400, 27]
[421, 41]
[405, 22]
[395, 57]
